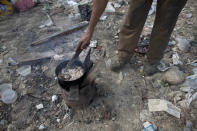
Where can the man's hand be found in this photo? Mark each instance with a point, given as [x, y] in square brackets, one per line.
[84, 41]
[97, 10]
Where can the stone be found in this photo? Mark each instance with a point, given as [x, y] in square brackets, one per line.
[174, 76]
[30, 128]
[11, 127]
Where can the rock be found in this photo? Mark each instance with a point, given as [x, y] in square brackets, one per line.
[11, 127]
[183, 44]
[174, 76]
[30, 128]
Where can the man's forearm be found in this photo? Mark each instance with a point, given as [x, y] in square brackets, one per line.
[97, 11]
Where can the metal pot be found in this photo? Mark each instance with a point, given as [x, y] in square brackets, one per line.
[65, 84]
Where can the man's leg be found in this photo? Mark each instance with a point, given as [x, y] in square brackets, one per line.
[166, 16]
[132, 27]
[130, 32]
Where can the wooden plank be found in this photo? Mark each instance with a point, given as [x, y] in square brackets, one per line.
[66, 31]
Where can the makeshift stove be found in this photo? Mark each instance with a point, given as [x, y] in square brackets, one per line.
[80, 92]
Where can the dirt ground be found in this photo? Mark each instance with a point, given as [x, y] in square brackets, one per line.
[121, 100]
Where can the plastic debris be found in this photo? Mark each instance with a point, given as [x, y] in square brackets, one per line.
[47, 23]
[176, 59]
[194, 70]
[189, 15]
[163, 105]
[148, 126]
[171, 43]
[41, 127]
[116, 5]
[188, 86]
[6, 8]
[72, 2]
[58, 120]
[183, 44]
[190, 98]
[162, 67]
[68, 113]
[194, 63]
[58, 57]
[66, 116]
[188, 126]
[8, 96]
[193, 78]
[54, 98]
[120, 78]
[153, 7]
[40, 106]
[23, 5]
[24, 70]
[12, 62]
[110, 8]
[85, 11]
[191, 83]
[93, 44]
[103, 17]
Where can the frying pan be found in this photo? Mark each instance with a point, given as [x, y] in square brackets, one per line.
[86, 65]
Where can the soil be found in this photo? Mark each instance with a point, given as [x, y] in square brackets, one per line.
[121, 100]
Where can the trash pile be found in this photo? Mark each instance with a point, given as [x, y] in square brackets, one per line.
[164, 101]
